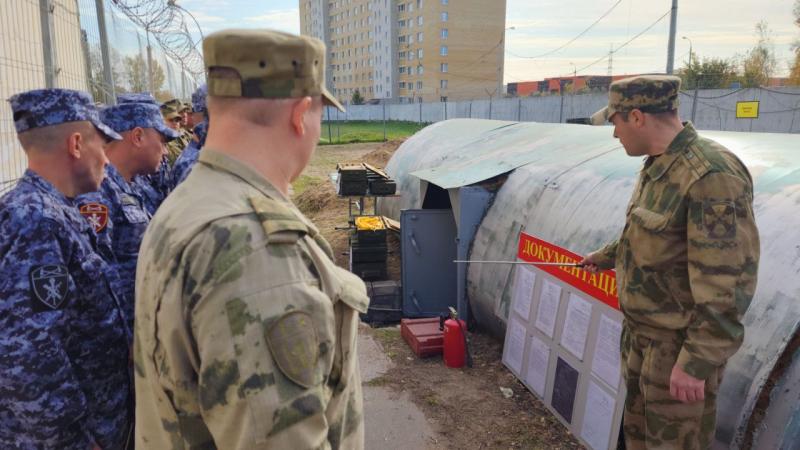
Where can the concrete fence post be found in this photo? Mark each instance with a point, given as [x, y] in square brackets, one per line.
[48, 49]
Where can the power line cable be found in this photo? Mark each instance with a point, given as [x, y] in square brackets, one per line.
[625, 44]
[571, 40]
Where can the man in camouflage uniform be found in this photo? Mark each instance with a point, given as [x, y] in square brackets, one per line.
[117, 210]
[686, 266]
[245, 328]
[64, 380]
[171, 111]
[183, 165]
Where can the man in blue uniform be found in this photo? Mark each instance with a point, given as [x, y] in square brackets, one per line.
[64, 380]
[140, 152]
[183, 165]
[153, 187]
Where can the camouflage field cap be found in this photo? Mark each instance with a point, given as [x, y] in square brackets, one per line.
[266, 64]
[171, 109]
[127, 116]
[136, 97]
[45, 107]
[647, 93]
[199, 99]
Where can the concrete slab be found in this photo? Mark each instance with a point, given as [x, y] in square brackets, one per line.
[391, 420]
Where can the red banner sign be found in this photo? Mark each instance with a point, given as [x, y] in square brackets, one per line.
[601, 285]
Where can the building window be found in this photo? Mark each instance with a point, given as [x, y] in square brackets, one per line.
[401, 39]
[401, 69]
[443, 50]
[401, 23]
[410, 55]
[419, 53]
[443, 68]
[444, 2]
[402, 85]
[411, 38]
[419, 20]
[445, 33]
[443, 99]
[444, 16]
[419, 70]
[419, 85]
[402, 55]
[419, 4]
[419, 37]
[443, 84]
[401, 7]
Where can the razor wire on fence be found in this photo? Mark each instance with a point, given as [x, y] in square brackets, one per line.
[104, 47]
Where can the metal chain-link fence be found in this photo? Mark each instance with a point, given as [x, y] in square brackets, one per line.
[97, 46]
[762, 109]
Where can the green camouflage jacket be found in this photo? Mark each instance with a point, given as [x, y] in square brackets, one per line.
[245, 334]
[687, 259]
[175, 147]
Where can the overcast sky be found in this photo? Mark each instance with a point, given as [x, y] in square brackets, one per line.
[720, 28]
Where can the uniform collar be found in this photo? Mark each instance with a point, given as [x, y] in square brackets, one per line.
[34, 179]
[657, 166]
[235, 167]
[224, 162]
[68, 207]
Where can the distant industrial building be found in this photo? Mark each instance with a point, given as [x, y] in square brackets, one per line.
[410, 51]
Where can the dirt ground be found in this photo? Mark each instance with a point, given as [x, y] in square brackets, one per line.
[464, 407]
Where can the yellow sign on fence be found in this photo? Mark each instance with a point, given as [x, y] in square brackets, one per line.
[747, 110]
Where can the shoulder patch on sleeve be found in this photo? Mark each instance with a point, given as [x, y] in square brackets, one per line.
[97, 215]
[719, 219]
[294, 344]
[280, 223]
[49, 287]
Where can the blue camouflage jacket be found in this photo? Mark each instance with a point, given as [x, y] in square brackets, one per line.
[64, 354]
[154, 188]
[127, 218]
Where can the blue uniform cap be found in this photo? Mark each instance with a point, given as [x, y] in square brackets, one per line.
[137, 97]
[127, 116]
[46, 107]
[199, 98]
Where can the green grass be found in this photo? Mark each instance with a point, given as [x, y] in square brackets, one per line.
[363, 131]
[303, 182]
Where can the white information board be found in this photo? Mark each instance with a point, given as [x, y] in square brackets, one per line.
[562, 342]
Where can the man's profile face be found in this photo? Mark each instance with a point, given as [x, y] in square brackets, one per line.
[628, 134]
[174, 122]
[91, 165]
[154, 147]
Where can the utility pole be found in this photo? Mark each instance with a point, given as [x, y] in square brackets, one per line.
[673, 23]
[108, 75]
[48, 47]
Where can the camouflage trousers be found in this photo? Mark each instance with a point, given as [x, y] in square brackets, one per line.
[652, 418]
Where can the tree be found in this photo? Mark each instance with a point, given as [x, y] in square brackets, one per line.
[710, 73]
[794, 75]
[357, 98]
[134, 74]
[759, 63]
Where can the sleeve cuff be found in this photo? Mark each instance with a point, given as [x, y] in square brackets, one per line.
[694, 366]
[606, 257]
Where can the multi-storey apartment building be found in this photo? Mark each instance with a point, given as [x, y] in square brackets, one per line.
[410, 50]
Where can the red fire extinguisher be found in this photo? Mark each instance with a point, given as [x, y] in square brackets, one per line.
[456, 351]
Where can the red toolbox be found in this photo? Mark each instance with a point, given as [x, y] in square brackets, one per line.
[423, 336]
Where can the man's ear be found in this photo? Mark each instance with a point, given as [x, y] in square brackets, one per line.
[75, 143]
[299, 111]
[137, 136]
[637, 117]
